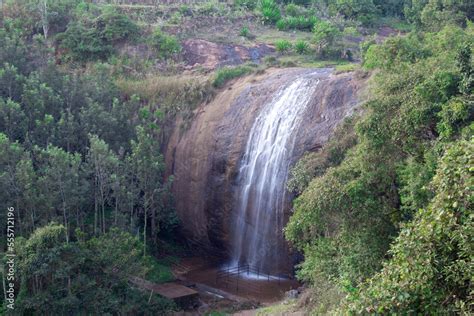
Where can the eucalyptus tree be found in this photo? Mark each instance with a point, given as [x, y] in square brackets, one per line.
[101, 164]
[61, 177]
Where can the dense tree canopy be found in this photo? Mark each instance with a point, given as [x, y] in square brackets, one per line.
[418, 123]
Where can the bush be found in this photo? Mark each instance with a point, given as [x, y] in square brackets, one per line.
[115, 26]
[90, 39]
[283, 46]
[176, 18]
[430, 270]
[165, 45]
[301, 47]
[270, 11]
[297, 23]
[292, 9]
[83, 43]
[325, 35]
[270, 61]
[185, 10]
[225, 74]
[244, 31]
[281, 25]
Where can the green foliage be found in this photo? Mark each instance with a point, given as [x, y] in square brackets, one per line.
[244, 31]
[92, 37]
[301, 47]
[414, 178]
[228, 73]
[326, 36]
[431, 266]
[270, 11]
[453, 115]
[364, 11]
[176, 18]
[297, 23]
[394, 51]
[292, 9]
[283, 46]
[351, 208]
[314, 164]
[337, 220]
[464, 64]
[434, 15]
[86, 276]
[165, 45]
[115, 26]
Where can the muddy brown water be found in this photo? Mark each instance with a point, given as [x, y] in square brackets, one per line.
[263, 290]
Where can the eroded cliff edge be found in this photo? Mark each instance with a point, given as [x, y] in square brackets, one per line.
[204, 159]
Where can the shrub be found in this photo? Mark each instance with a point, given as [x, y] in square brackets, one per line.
[165, 45]
[244, 31]
[270, 11]
[325, 35]
[115, 26]
[282, 25]
[270, 60]
[297, 23]
[185, 10]
[225, 74]
[301, 47]
[176, 18]
[351, 31]
[90, 39]
[292, 9]
[283, 46]
[83, 43]
[430, 269]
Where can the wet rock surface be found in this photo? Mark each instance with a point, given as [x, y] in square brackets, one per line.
[205, 158]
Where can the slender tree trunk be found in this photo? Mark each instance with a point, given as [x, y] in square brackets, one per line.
[116, 209]
[32, 210]
[103, 214]
[153, 221]
[18, 216]
[64, 212]
[95, 212]
[144, 227]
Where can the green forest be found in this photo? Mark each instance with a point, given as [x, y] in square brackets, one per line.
[383, 212]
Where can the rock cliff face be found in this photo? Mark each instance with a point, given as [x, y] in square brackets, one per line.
[197, 52]
[205, 158]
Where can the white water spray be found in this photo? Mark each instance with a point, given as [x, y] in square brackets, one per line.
[261, 198]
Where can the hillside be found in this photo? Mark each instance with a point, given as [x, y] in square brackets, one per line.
[266, 157]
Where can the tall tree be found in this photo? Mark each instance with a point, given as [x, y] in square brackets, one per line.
[61, 177]
[102, 164]
[149, 168]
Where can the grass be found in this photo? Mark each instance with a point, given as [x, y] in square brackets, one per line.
[173, 93]
[226, 74]
[160, 272]
[346, 67]
[397, 24]
[278, 309]
[308, 61]
[214, 313]
[271, 35]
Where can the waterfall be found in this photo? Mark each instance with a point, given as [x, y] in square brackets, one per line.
[262, 199]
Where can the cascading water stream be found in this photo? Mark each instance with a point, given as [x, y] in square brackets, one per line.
[261, 198]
